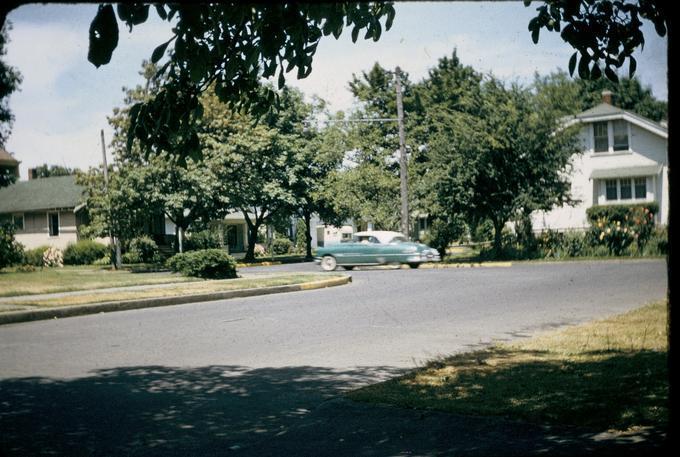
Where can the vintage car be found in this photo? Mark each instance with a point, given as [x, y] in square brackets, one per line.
[375, 248]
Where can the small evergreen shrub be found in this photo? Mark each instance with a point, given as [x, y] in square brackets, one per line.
[105, 260]
[11, 251]
[206, 263]
[142, 249]
[281, 246]
[130, 257]
[205, 239]
[84, 252]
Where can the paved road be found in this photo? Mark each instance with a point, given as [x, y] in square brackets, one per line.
[260, 376]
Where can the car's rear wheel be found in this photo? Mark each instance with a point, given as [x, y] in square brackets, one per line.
[414, 264]
[328, 263]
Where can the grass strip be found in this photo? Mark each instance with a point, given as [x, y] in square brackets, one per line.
[610, 374]
[193, 288]
[69, 279]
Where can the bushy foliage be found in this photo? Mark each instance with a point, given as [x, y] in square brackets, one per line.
[206, 263]
[483, 231]
[259, 250]
[53, 257]
[35, 256]
[657, 243]
[84, 252]
[142, 249]
[619, 226]
[205, 239]
[11, 251]
[300, 236]
[281, 246]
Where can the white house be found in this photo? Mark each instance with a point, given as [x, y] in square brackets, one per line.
[624, 160]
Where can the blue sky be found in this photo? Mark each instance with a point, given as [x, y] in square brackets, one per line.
[64, 100]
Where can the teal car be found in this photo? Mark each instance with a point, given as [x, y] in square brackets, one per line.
[375, 248]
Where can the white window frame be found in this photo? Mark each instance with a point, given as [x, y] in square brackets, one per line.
[49, 225]
[618, 199]
[610, 137]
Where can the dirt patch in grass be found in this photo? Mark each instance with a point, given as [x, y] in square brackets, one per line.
[606, 375]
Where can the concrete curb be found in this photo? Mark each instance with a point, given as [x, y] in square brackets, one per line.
[12, 317]
[468, 265]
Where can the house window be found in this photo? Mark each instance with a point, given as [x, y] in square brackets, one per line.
[53, 222]
[626, 191]
[620, 129]
[18, 221]
[640, 188]
[611, 189]
[601, 135]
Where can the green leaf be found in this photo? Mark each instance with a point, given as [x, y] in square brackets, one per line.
[355, 33]
[632, 67]
[103, 36]
[572, 64]
[534, 35]
[159, 52]
[611, 74]
[583, 67]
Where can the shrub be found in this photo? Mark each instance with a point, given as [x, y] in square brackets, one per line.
[11, 251]
[483, 231]
[205, 239]
[53, 257]
[84, 252]
[301, 237]
[260, 250]
[106, 260]
[130, 257]
[619, 226]
[35, 256]
[281, 246]
[657, 243]
[206, 263]
[142, 249]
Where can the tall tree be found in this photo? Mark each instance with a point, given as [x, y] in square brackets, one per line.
[507, 159]
[10, 78]
[46, 171]
[574, 95]
[253, 165]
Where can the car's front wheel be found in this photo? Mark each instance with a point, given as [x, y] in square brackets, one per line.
[328, 263]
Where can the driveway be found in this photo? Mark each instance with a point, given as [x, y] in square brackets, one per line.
[261, 376]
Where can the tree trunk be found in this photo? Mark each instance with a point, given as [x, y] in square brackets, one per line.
[497, 237]
[252, 240]
[308, 235]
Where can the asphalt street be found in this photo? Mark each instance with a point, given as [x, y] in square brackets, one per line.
[262, 375]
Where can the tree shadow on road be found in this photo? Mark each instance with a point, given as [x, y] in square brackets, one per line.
[225, 410]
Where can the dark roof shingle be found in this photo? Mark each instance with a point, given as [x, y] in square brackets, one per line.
[41, 194]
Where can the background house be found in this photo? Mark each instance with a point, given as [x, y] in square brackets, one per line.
[45, 211]
[624, 161]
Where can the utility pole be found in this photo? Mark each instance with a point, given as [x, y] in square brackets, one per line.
[114, 241]
[402, 157]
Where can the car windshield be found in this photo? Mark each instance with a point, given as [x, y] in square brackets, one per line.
[398, 239]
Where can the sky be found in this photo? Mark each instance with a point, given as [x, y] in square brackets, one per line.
[64, 101]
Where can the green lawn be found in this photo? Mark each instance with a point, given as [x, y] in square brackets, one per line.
[607, 375]
[48, 280]
[192, 288]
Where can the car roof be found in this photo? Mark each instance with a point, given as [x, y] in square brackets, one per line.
[384, 236]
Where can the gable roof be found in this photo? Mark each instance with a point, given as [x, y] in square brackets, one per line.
[41, 194]
[7, 159]
[607, 112]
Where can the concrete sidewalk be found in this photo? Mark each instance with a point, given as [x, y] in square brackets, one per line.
[13, 312]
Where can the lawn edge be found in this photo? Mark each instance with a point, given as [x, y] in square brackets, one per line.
[12, 317]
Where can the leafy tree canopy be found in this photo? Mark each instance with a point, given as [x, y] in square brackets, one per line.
[228, 47]
[46, 171]
[10, 79]
[604, 33]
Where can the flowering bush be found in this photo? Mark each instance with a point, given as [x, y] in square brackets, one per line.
[619, 231]
[53, 257]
